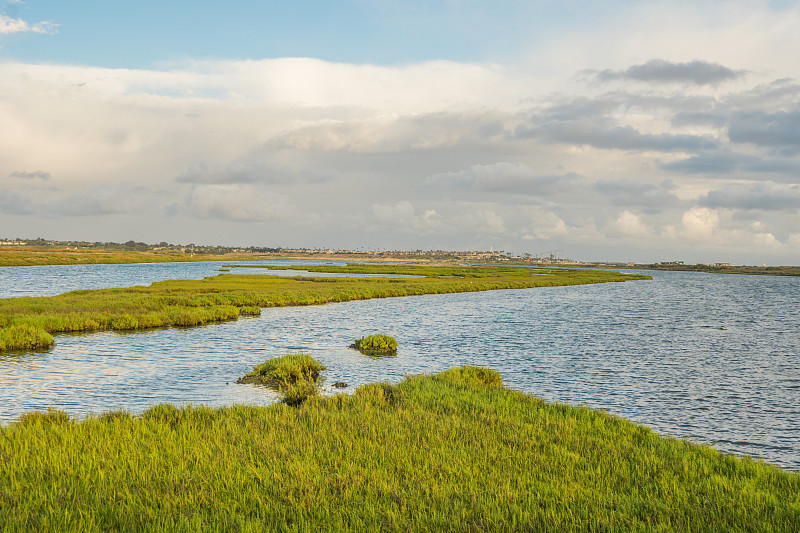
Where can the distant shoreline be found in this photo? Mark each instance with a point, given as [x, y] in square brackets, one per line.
[712, 269]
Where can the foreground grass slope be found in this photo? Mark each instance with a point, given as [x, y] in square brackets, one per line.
[30, 322]
[451, 452]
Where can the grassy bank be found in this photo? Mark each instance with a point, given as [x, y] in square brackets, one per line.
[29, 322]
[450, 452]
[28, 256]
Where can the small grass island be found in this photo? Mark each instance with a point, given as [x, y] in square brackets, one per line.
[377, 344]
[296, 376]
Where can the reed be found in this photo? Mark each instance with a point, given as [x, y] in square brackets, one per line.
[450, 452]
[30, 322]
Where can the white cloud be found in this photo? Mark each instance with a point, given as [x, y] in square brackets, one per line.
[10, 25]
[491, 222]
[629, 224]
[544, 225]
[699, 224]
[402, 216]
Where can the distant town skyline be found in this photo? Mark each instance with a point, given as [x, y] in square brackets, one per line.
[619, 130]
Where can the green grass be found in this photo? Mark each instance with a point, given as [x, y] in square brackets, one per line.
[30, 322]
[282, 372]
[376, 345]
[29, 256]
[449, 452]
[296, 376]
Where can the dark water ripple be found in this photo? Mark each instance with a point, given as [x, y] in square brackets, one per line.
[714, 358]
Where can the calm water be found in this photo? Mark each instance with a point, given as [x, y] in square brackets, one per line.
[48, 280]
[712, 357]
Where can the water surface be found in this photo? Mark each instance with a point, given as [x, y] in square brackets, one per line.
[708, 356]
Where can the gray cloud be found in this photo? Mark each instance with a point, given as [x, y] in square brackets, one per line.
[758, 196]
[729, 163]
[102, 200]
[12, 203]
[503, 177]
[600, 135]
[123, 199]
[39, 174]
[235, 172]
[631, 193]
[779, 130]
[716, 120]
[661, 71]
[244, 173]
[237, 202]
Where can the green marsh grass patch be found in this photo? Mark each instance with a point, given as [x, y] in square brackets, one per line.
[296, 376]
[378, 344]
[449, 452]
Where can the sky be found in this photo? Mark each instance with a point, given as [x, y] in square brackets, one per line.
[615, 130]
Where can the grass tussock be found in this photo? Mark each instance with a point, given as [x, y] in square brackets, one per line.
[30, 322]
[378, 344]
[450, 452]
[296, 376]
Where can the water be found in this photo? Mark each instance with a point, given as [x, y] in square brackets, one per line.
[48, 280]
[715, 358]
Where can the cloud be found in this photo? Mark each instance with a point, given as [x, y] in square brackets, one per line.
[10, 25]
[758, 196]
[582, 132]
[123, 199]
[491, 222]
[97, 201]
[661, 71]
[402, 215]
[774, 130]
[12, 203]
[39, 174]
[206, 173]
[243, 173]
[628, 224]
[701, 118]
[237, 202]
[725, 163]
[543, 225]
[392, 133]
[699, 224]
[503, 177]
[631, 193]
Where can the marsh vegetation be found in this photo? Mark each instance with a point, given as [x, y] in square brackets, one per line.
[296, 376]
[377, 344]
[451, 451]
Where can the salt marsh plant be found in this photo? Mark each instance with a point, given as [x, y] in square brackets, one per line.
[378, 344]
[451, 452]
[296, 376]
